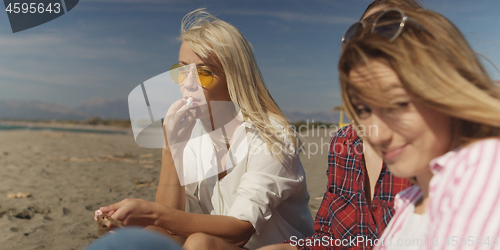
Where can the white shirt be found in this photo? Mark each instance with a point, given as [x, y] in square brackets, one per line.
[258, 188]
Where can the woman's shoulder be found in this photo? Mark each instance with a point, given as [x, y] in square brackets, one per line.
[345, 136]
[347, 133]
[470, 166]
[476, 153]
[274, 127]
[488, 144]
[483, 153]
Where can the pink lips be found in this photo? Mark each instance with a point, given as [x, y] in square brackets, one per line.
[393, 153]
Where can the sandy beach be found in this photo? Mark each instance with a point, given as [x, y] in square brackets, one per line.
[68, 175]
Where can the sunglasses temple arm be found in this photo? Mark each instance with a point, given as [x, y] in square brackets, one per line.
[416, 24]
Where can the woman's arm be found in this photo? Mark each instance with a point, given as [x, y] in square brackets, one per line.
[177, 127]
[145, 213]
[170, 192]
[182, 223]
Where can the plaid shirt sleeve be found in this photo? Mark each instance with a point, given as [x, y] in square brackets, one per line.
[344, 213]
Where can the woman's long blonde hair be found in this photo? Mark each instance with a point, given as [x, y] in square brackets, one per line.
[436, 65]
[226, 51]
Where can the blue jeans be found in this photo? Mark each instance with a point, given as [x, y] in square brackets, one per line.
[133, 238]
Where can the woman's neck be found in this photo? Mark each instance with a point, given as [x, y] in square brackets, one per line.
[422, 181]
[220, 113]
[222, 124]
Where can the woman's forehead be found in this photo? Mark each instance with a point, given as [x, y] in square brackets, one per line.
[375, 72]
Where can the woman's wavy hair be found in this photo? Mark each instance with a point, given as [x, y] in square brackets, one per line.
[223, 48]
[384, 4]
[435, 65]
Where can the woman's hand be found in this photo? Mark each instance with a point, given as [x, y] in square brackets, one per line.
[135, 212]
[178, 125]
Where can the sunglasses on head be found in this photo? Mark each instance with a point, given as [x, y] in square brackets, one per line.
[179, 73]
[389, 23]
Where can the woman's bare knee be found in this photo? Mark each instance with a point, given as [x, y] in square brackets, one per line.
[202, 241]
[199, 241]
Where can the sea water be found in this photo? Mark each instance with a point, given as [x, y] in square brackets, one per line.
[60, 129]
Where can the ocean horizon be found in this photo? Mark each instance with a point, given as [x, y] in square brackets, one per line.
[7, 127]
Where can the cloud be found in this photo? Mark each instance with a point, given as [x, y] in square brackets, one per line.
[64, 45]
[183, 7]
[295, 16]
[139, 6]
[44, 57]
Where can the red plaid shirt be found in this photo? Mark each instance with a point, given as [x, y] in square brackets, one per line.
[344, 213]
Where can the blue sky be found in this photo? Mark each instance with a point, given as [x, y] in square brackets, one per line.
[105, 48]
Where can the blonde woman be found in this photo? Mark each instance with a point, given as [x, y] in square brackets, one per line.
[411, 76]
[226, 124]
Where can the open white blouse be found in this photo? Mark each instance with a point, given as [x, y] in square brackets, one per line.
[257, 188]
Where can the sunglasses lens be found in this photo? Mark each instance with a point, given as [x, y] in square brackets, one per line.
[206, 77]
[178, 73]
[389, 24]
[353, 31]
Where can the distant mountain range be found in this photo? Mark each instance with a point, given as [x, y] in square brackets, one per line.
[109, 109]
[105, 108]
[323, 116]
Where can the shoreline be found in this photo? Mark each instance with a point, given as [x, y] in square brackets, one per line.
[63, 127]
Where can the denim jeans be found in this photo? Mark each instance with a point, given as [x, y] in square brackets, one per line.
[134, 238]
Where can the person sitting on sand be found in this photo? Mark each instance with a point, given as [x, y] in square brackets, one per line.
[412, 74]
[358, 183]
[351, 206]
[257, 195]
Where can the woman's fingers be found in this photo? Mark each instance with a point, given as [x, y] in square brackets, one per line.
[177, 123]
[176, 116]
[180, 115]
[116, 212]
[175, 106]
[121, 214]
[190, 121]
[111, 209]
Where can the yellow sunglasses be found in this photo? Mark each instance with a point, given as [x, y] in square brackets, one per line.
[179, 73]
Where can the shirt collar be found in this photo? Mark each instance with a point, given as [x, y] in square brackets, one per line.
[437, 164]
